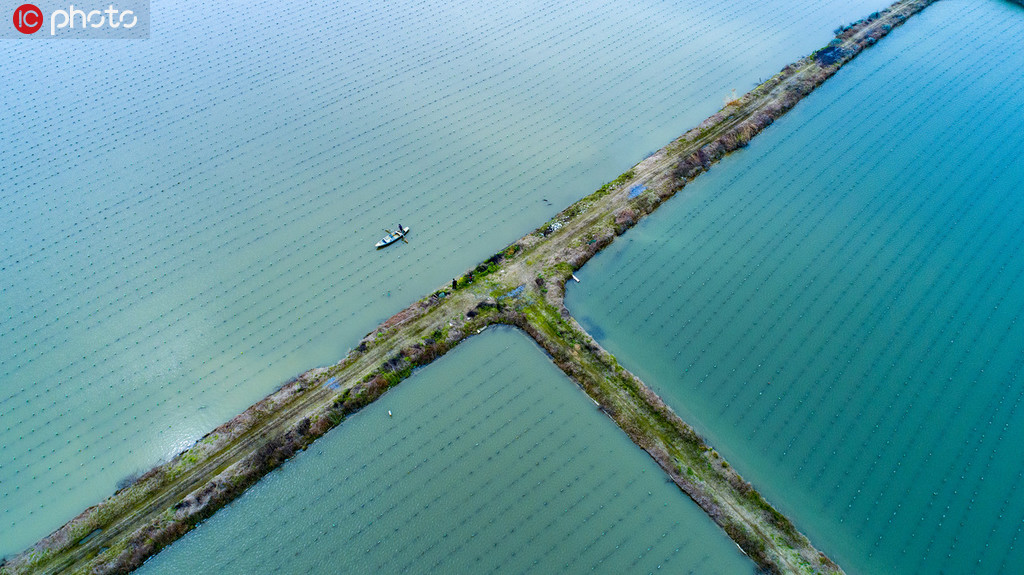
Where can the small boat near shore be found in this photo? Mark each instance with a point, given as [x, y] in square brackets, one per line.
[393, 237]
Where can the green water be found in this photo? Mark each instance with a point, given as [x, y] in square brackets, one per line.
[188, 220]
[838, 307]
[492, 461]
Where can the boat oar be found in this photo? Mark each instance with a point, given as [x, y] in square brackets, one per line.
[400, 234]
[401, 237]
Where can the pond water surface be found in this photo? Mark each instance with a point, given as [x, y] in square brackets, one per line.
[838, 306]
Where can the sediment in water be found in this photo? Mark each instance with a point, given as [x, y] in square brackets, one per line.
[522, 285]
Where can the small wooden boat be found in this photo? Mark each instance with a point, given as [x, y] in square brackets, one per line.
[393, 237]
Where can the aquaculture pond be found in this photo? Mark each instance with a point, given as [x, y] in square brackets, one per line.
[189, 220]
[838, 307]
[490, 460]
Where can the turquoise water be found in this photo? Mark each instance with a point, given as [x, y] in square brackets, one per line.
[492, 461]
[188, 220]
[838, 307]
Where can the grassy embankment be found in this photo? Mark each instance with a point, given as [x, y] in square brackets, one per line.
[522, 285]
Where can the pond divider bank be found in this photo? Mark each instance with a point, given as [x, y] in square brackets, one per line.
[523, 285]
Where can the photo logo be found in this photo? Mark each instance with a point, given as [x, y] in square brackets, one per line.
[28, 19]
[76, 19]
[92, 18]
